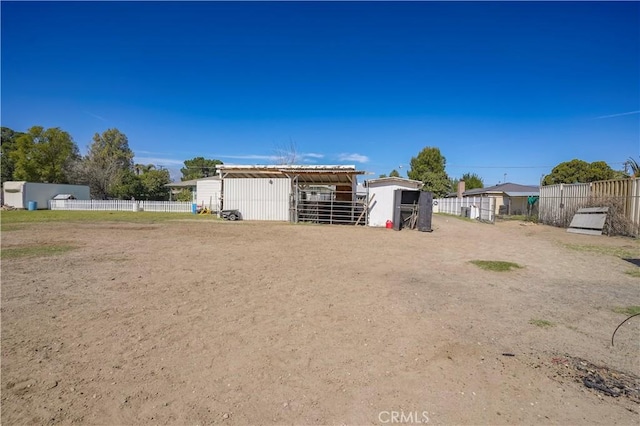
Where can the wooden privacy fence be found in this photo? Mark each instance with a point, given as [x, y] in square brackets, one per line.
[559, 203]
[486, 207]
[122, 205]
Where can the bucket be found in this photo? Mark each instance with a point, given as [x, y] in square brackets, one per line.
[389, 224]
[33, 205]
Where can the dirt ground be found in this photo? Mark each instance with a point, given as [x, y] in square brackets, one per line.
[198, 322]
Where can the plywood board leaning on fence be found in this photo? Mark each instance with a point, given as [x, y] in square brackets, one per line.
[589, 221]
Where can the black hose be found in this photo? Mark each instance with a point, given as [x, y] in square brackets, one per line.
[614, 333]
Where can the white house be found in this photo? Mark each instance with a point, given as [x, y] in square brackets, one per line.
[381, 193]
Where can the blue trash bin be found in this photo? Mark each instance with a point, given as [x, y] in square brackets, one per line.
[33, 205]
[194, 208]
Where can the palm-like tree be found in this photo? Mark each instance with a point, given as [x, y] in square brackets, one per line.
[631, 166]
[142, 169]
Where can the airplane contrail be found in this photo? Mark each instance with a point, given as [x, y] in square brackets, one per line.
[95, 116]
[618, 115]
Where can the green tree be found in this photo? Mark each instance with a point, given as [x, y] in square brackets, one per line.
[127, 185]
[44, 155]
[382, 176]
[599, 170]
[579, 171]
[429, 167]
[185, 195]
[8, 144]
[199, 167]
[149, 185]
[153, 183]
[394, 173]
[472, 181]
[106, 166]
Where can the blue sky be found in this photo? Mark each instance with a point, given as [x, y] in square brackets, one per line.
[511, 88]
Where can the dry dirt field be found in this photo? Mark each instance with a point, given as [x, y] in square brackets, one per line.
[207, 322]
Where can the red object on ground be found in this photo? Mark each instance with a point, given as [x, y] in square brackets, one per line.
[389, 224]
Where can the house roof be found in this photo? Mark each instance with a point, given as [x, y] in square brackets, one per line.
[523, 194]
[508, 188]
[317, 174]
[395, 180]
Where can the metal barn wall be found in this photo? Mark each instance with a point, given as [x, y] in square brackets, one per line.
[208, 193]
[258, 198]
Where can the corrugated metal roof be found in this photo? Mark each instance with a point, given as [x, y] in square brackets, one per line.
[396, 180]
[310, 174]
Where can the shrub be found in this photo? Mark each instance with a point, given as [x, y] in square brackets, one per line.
[616, 223]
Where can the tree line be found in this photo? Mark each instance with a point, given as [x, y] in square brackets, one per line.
[429, 167]
[51, 156]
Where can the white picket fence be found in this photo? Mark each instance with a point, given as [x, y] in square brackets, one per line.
[482, 208]
[122, 205]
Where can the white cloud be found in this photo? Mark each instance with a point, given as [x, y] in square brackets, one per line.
[250, 157]
[158, 161]
[306, 157]
[358, 158]
[150, 158]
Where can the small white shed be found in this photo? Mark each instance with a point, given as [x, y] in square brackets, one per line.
[18, 193]
[381, 192]
[209, 192]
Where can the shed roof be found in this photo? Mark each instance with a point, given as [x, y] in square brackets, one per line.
[320, 174]
[393, 180]
[64, 197]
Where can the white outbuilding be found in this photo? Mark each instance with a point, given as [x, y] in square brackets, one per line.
[381, 197]
[209, 193]
[206, 191]
[296, 193]
[20, 194]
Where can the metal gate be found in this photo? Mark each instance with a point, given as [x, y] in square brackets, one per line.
[328, 205]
